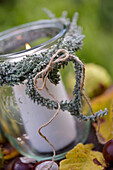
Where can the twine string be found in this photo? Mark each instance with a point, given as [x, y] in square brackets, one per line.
[44, 73]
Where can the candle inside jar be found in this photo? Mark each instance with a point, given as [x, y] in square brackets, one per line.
[60, 132]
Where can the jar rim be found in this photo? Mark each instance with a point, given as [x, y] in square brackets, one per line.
[25, 27]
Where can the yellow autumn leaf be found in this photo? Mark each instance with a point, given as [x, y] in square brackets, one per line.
[81, 157]
[11, 155]
[9, 152]
[106, 124]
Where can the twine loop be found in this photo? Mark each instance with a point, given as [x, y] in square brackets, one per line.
[49, 67]
[44, 74]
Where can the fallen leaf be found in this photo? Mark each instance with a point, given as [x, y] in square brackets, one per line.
[9, 152]
[106, 123]
[81, 157]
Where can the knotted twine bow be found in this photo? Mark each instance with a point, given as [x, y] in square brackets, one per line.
[44, 74]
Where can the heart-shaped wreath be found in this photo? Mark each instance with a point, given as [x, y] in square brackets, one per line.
[51, 61]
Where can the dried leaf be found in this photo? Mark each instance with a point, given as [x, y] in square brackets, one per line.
[81, 157]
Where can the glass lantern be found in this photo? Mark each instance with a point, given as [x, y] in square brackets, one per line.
[20, 116]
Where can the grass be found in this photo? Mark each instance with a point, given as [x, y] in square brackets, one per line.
[93, 17]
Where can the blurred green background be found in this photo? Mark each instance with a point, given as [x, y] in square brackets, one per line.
[95, 17]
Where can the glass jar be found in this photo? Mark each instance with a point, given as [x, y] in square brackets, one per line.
[20, 116]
